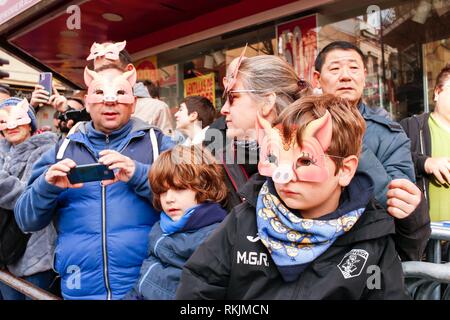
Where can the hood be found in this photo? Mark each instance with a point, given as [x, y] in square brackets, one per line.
[195, 218]
[140, 90]
[34, 142]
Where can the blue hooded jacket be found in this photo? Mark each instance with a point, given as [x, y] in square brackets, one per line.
[102, 231]
[170, 245]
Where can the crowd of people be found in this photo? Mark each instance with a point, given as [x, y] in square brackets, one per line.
[291, 192]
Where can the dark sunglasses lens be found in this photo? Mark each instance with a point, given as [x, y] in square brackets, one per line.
[228, 97]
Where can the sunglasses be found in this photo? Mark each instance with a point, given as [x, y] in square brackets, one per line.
[230, 95]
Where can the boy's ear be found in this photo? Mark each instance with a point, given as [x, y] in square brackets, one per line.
[347, 171]
[193, 116]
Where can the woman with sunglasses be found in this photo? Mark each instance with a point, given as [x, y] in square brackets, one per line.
[263, 83]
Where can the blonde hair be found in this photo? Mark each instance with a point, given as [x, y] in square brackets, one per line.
[267, 74]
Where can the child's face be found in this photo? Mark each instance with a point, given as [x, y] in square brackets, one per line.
[175, 202]
[313, 199]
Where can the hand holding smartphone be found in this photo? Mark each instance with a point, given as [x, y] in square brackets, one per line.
[45, 80]
[90, 172]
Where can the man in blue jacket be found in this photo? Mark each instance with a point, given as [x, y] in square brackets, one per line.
[340, 70]
[102, 225]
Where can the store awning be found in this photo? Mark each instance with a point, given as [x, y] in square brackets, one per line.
[41, 35]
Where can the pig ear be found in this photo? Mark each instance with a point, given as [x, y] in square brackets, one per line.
[24, 105]
[93, 48]
[321, 129]
[89, 76]
[130, 75]
[120, 45]
[263, 127]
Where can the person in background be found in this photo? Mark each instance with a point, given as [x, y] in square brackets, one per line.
[19, 150]
[187, 185]
[152, 110]
[193, 118]
[430, 148]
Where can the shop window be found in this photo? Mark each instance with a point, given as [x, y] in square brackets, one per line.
[406, 46]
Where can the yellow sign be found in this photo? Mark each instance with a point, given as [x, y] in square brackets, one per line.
[201, 86]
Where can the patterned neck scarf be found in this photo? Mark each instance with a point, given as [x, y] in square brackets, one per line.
[294, 242]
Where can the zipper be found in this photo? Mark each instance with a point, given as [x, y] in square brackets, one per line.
[156, 245]
[107, 139]
[104, 246]
[145, 276]
[423, 152]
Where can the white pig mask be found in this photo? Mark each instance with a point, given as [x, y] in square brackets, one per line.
[109, 50]
[16, 116]
[107, 89]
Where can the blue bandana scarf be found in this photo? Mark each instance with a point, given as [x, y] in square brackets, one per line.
[294, 242]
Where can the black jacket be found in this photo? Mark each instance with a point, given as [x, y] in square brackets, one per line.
[418, 131]
[233, 264]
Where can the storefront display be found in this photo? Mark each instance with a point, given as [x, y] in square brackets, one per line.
[406, 44]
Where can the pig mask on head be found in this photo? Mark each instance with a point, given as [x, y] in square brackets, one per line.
[109, 50]
[17, 116]
[281, 158]
[106, 89]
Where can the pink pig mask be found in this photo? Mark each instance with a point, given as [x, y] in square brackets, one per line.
[107, 89]
[281, 159]
[17, 116]
[109, 50]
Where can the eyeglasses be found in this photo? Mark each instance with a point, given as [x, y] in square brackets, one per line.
[229, 96]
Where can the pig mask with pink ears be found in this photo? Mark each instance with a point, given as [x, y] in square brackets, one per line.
[109, 50]
[17, 116]
[107, 89]
[281, 159]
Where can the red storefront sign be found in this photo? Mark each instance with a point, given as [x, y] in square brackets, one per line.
[298, 44]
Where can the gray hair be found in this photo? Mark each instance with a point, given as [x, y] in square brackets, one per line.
[267, 74]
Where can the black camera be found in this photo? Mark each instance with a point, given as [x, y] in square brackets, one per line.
[75, 115]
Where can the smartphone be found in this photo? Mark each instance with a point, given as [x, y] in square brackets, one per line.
[45, 80]
[90, 172]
